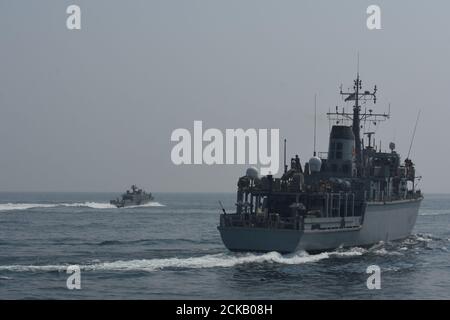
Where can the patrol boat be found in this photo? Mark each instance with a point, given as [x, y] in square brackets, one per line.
[133, 197]
[353, 195]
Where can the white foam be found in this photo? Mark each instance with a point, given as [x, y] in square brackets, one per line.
[435, 212]
[222, 260]
[384, 252]
[24, 206]
[423, 237]
[394, 269]
[93, 205]
[377, 246]
[150, 204]
[30, 268]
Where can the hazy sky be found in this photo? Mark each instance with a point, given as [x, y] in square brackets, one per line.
[94, 109]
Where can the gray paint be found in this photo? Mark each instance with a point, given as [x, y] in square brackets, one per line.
[381, 222]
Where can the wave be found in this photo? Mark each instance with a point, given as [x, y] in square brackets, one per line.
[424, 237]
[221, 260]
[435, 212]
[175, 241]
[23, 206]
[385, 252]
[227, 260]
[93, 205]
[150, 204]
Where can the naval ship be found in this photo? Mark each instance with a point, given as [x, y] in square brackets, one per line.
[133, 197]
[353, 195]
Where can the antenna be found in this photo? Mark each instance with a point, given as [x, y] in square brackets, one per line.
[285, 165]
[369, 138]
[315, 122]
[414, 133]
[223, 209]
[329, 121]
[357, 66]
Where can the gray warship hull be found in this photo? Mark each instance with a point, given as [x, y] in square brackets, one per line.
[381, 221]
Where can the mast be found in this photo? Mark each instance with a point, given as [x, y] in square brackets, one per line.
[285, 165]
[315, 123]
[356, 122]
[357, 116]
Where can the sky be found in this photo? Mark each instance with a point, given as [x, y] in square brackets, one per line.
[94, 109]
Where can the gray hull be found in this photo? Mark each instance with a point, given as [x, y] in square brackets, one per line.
[131, 203]
[380, 222]
[137, 201]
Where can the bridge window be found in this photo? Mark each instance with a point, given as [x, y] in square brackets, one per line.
[339, 147]
[332, 148]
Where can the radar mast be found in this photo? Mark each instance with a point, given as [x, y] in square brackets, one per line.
[357, 95]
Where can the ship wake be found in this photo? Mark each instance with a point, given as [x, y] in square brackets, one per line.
[221, 260]
[92, 205]
[228, 259]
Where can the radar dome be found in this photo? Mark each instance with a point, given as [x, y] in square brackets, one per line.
[315, 164]
[252, 173]
[392, 146]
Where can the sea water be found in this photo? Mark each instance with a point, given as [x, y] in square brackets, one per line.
[171, 249]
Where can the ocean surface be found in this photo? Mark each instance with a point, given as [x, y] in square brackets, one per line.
[171, 249]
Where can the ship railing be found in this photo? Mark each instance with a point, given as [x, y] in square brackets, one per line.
[375, 196]
[339, 204]
[383, 196]
[273, 221]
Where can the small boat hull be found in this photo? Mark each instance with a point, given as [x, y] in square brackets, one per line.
[123, 204]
